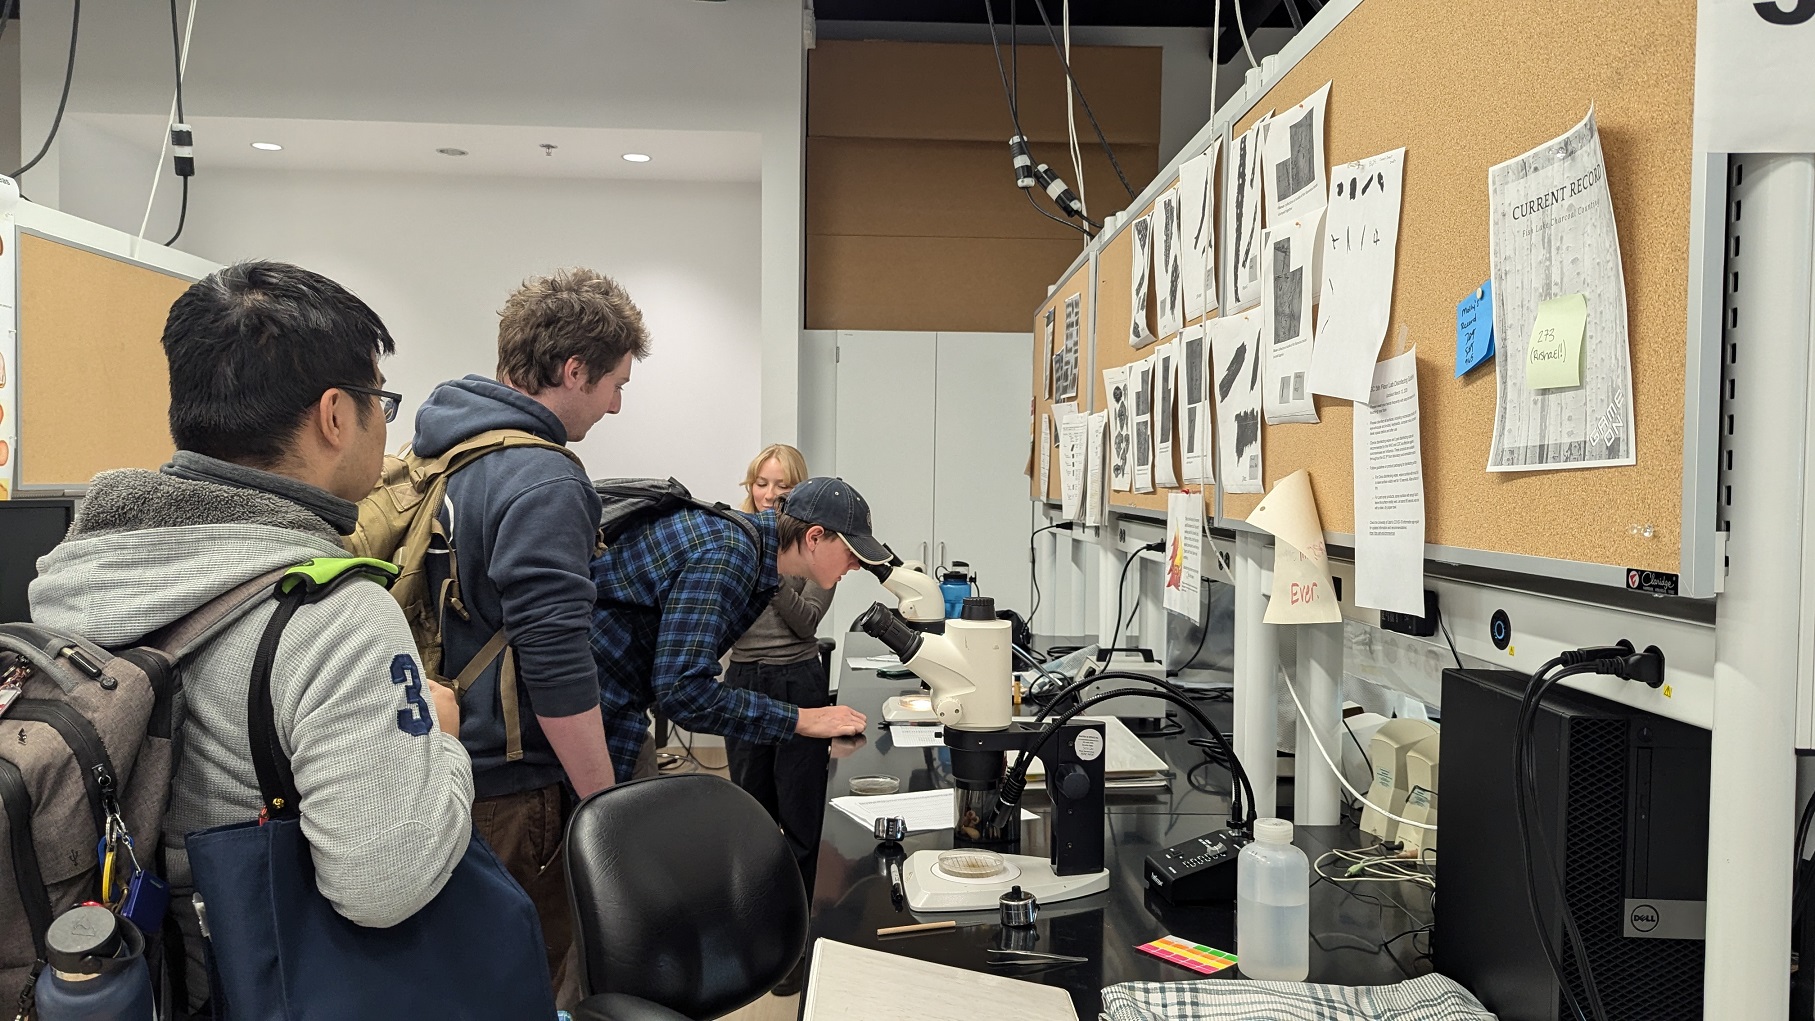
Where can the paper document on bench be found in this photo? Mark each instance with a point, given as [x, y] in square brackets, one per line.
[858, 984]
[922, 810]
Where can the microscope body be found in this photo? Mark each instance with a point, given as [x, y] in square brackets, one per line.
[1074, 783]
[969, 671]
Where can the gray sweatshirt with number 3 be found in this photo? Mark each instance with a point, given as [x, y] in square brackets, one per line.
[386, 802]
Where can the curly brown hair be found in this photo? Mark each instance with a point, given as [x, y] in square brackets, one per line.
[571, 313]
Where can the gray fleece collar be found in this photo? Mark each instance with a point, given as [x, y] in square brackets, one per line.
[132, 500]
[340, 514]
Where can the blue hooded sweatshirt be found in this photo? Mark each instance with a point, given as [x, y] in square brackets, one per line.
[524, 524]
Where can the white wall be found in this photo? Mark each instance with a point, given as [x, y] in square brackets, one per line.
[107, 179]
[436, 257]
[675, 64]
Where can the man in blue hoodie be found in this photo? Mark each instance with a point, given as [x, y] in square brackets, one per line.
[524, 525]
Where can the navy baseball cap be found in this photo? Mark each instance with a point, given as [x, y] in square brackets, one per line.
[835, 506]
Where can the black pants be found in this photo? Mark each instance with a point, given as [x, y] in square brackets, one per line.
[789, 779]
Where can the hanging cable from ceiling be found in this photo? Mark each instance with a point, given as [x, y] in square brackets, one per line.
[177, 132]
[1072, 81]
[69, 73]
[1028, 174]
[1071, 115]
[1242, 27]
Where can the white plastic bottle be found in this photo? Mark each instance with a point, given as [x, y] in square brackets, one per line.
[1273, 906]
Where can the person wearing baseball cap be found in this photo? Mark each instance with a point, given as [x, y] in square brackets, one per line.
[676, 591]
[840, 509]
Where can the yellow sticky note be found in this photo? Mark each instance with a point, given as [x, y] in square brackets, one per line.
[1553, 357]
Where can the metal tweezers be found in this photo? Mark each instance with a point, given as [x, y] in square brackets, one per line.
[1030, 957]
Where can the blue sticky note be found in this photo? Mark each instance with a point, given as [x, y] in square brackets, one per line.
[1475, 328]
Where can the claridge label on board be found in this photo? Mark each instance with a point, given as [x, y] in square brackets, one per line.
[1657, 583]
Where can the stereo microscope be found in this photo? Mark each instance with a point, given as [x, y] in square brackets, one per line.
[967, 667]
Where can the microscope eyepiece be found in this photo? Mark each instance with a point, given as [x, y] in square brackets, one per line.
[978, 608]
[880, 622]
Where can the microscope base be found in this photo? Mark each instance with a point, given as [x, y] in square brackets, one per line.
[929, 890]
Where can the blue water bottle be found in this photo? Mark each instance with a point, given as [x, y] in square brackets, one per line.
[97, 969]
[955, 586]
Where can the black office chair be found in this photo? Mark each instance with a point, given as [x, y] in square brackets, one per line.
[687, 903]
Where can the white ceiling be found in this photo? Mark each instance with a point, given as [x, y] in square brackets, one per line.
[663, 64]
[492, 150]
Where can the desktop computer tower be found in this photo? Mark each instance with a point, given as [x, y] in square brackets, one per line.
[1623, 798]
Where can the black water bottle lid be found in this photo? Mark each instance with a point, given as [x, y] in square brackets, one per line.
[81, 939]
[979, 608]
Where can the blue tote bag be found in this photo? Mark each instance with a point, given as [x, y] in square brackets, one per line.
[280, 952]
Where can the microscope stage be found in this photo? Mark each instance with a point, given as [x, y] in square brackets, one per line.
[909, 709]
[930, 889]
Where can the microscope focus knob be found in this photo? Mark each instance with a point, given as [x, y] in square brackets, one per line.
[949, 710]
[1071, 781]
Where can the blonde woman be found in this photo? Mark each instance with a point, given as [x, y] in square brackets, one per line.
[779, 657]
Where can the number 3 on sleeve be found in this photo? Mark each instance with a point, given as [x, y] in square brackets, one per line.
[413, 719]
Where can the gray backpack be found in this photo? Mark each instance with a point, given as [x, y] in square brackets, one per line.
[88, 743]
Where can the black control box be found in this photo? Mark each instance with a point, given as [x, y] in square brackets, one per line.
[1407, 624]
[1198, 871]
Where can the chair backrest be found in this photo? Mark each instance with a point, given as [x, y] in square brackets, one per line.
[684, 892]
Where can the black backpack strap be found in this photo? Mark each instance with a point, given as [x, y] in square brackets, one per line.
[16, 800]
[299, 586]
[276, 784]
[738, 518]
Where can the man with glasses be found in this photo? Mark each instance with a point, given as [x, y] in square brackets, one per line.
[523, 523]
[278, 415]
[388, 402]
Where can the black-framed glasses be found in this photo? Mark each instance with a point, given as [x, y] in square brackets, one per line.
[387, 400]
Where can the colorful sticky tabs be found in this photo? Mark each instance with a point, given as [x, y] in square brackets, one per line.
[1186, 954]
[1475, 328]
[1553, 358]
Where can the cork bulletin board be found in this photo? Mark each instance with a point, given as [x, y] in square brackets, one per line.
[1077, 283]
[1463, 93]
[94, 391]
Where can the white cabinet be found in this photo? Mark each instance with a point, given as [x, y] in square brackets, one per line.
[932, 429]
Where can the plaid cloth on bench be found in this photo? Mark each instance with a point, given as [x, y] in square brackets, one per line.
[1428, 998]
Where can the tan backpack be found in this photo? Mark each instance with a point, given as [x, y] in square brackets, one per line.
[399, 522]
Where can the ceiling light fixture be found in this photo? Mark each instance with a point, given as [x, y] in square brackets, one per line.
[451, 151]
[636, 157]
[267, 146]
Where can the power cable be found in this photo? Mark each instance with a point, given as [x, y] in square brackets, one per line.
[1040, 5]
[1444, 625]
[1243, 29]
[1216, 36]
[1055, 219]
[1071, 112]
[177, 117]
[1292, 689]
[182, 215]
[1121, 587]
[1026, 173]
[1033, 568]
[1525, 793]
[69, 74]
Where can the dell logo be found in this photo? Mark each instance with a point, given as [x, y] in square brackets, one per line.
[1644, 918]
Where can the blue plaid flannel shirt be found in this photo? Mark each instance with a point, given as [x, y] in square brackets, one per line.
[673, 595]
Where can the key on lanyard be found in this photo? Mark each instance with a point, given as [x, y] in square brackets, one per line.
[10, 686]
